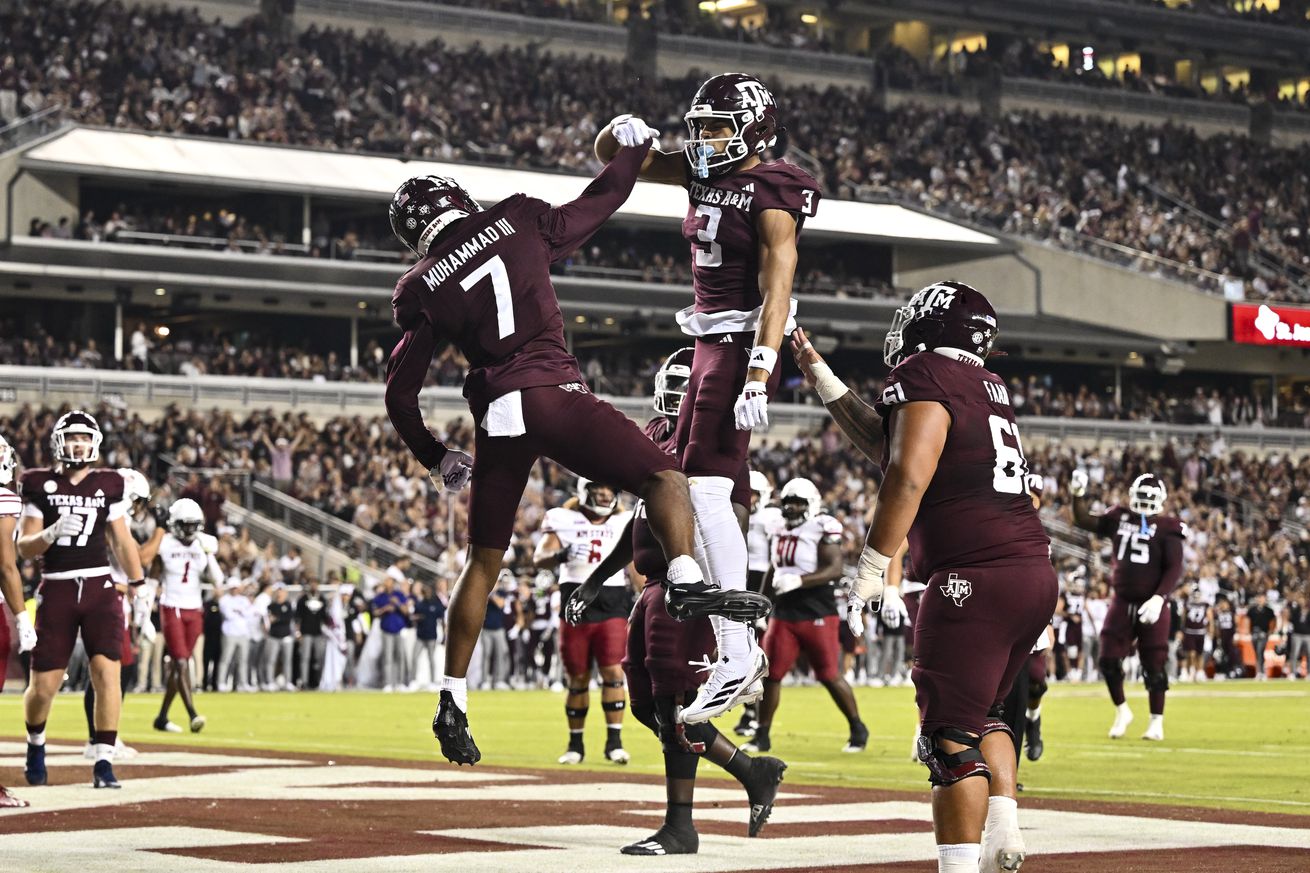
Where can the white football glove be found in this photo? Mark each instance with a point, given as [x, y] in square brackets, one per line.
[752, 407]
[208, 543]
[866, 587]
[1149, 612]
[784, 583]
[26, 632]
[147, 630]
[1078, 483]
[631, 131]
[580, 551]
[454, 471]
[69, 525]
[892, 604]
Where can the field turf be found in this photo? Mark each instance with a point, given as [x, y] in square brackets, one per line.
[1235, 745]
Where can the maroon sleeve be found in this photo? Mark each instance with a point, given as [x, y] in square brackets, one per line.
[406, 371]
[1108, 523]
[1172, 572]
[791, 190]
[566, 227]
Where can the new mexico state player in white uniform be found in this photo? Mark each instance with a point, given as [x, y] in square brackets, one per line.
[574, 541]
[806, 555]
[186, 556]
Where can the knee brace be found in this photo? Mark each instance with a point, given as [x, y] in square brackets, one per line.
[995, 722]
[614, 705]
[644, 712]
[576, 711]
[947, 768]
[1111, 668]
[1037, 690]
[1155, 680]
[616, 683]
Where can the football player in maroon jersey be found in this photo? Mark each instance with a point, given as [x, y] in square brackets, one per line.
[743, 218]
[11, 583]
[73, 514]
[1147, 565]
[956, 483]
[482, 283]
[662, 656]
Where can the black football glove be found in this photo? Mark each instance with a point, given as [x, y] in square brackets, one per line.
[160, 512]
[578, 604]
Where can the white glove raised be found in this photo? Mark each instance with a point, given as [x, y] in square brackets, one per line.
[1078, 483]
[208, 543]
[1149, 612]
[631, 131]
[784, 583]
[69, 525]
[26, 632]
[866, 587]
[454, 471]
[892, 604]
[752, 407]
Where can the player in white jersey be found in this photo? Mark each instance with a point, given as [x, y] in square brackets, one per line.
[762, 521]
[806, 559]
[186, 559]
[574, 540]
[11, 583]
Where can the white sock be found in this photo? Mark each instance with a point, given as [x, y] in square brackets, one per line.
[459, 690]
[683, 570]
[1034, 714]
[723, 551]
[958, 858]
[36, 739]
[1002, 816]
[104, 752]
[1123, 708]
[1157, 719]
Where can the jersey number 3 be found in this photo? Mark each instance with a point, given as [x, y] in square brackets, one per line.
[495, 268]
[712, 256]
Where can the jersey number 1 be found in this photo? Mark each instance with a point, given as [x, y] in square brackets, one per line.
[495, 268]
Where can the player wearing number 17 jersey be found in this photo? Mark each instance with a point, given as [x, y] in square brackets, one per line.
[1147, 559]
[482, 283]
[744, 216]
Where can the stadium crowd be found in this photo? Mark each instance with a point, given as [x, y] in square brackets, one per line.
[1110, 190]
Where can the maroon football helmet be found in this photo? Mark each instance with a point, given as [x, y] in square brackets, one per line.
[425, 206]
[946, 315]
[745, 105]
[671, 381]
[65, 451]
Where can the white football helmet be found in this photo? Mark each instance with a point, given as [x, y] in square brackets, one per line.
[800, 501]
[761, 487]
[671, 381]
[7, 462]
[135, 485]
[185, 520]
[587, 500]
[1147, 495]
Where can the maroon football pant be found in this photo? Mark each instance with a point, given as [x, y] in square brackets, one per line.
[969, 647]
[90, 605]
[1121, 631]
[708, 440]
[572, 427]
[660, 649]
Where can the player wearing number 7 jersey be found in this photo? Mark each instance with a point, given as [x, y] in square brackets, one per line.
[955, 484]
[1147, 559]
[744, 216]
[482, 283]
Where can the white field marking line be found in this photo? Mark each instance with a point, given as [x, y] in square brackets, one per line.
[1224, 753]
[1052, 789]
[1088, 691]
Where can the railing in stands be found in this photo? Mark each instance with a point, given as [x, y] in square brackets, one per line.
[23, 130]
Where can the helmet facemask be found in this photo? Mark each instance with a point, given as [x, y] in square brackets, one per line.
[670, 388]
[81, 451]
[705, 158]
[795, 510]
[587, 491]
[7, 462]
[1147, 495]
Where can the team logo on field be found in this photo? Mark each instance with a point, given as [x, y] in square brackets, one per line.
[957, 589]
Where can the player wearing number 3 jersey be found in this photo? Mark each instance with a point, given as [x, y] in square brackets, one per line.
[482, 283]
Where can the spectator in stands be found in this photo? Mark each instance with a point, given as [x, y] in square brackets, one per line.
[494, 641]
[139, 343]
[1263, 620]
[1298, 626]
[212, 648]
[391, 607]
[281, 642]
[429, 619]
[309, 633]
[233, 663]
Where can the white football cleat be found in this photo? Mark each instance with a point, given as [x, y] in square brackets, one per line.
[89, 751]
[1123, 716]
[1155, 730]
[732, 681]
[571, 757]
[198, 723]
[122, 751]
[618, 756]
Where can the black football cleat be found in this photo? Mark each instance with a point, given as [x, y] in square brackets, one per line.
[747, 724]
[666, 841]
[762, 789]
[859, 738]
[103, 776]
[35, 768]
[1033, 737]
[758, 743]
[685, 602]
[451, 728]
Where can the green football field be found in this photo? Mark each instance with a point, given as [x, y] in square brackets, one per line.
[1237, 745]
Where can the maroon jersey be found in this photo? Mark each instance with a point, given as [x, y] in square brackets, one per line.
[485, 287]
[1225, 621]
[1195, 616]
[720, 226]
[647, 554]
[96, 500]
[1147, 554]
[976, 510]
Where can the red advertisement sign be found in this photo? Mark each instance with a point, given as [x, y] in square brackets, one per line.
[1266, 325]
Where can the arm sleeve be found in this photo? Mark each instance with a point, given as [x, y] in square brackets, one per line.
[566, 227]
[1108, 523]
[1172, 572]
[406, 371]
